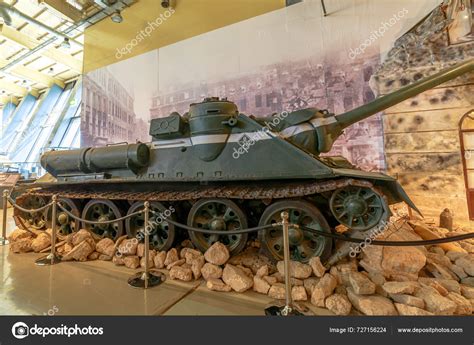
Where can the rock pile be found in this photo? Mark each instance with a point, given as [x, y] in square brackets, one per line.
[433, 280]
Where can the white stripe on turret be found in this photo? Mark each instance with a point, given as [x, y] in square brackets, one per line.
[236, 137]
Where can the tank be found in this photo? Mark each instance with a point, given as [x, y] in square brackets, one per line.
[216, 168]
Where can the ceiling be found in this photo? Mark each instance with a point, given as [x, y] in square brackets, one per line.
[189, 18]
[34, 49]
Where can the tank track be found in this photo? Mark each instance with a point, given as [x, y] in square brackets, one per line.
[275, 191]
[266, 192]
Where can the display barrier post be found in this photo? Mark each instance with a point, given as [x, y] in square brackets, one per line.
[286, 258]
[288, 309]
[146, 279]
[52, 258]
[4, 219]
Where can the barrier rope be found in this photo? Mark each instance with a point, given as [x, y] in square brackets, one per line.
[31, 210]
[257, 228]
[215, 232]
[98, 222]
[329, 234]
[392, 243]
[226, 232]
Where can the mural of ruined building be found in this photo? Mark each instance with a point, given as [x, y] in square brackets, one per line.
[108, 114]
[426, 145]
[291, 86]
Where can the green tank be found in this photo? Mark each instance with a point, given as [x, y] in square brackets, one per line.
[216, 168]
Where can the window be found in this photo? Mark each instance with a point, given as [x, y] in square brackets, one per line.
[258, 101]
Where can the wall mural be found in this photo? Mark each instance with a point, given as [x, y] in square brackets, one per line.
[284, 60]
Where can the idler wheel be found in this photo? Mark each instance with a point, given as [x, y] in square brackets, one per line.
[219, 215]
[303, 244]
[103, 210]
[36, 220]
[161, 234]
[65, 224]
[358, 208]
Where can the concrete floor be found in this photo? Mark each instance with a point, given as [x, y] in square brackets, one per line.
[100, 288]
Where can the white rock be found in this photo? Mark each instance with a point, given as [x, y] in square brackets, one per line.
[407, 310]
[467, 291]
[217, 254]
[277, 291]
[131, 261]
[217, 285]
[361, 284]
[171, 256]
[400, 287]
[297, 269]
[323, 289]
[317, 266]
[42, 241]
[128, 247]
[298, 293]
[236, 278]
[116, 259]
[211, 271]
[408, 300]
[467, 264]
[252, 259]
[338, 304]
[309, 284]
[80, 252]
[395, 262]
[81, 235]
[270, 280]
[19, 234]
[179, 262]
[263, 271]
[106, 246]
[181, 273]
[464, 306]
[260, 285]
[371, 305]
[21, 245]
[434, 302]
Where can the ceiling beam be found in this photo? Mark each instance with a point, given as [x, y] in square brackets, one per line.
[15, 89]
[64, 9]
[30, 43]
[33, 75]
[6, 99]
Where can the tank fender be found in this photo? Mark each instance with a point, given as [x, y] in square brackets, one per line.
[396, 193]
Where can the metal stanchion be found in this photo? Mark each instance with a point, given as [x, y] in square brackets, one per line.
[4, 219]
[288, 309]
[52, 258]
[146, 279]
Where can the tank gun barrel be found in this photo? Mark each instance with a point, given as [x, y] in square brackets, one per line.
[348, 118]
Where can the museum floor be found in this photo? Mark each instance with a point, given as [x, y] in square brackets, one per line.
[100, 288]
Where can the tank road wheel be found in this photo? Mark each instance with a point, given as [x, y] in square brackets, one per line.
[65, 223]
[35, 220]
[221, 215]
[358, 208]
[303, 244]
[103, 210]
[162, 233]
